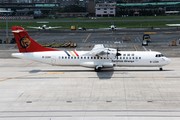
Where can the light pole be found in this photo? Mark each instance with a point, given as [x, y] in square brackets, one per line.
[7, 42]
[6, 11]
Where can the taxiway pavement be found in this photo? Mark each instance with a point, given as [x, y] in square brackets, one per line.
[34, 91]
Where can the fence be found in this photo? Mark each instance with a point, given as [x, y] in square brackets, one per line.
[16, 17]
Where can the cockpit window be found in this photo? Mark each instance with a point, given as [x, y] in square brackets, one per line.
[159, 55]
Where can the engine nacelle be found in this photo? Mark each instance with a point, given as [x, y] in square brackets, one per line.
[108, 65]
[88, 64]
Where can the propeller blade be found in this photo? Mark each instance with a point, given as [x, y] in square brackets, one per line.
[117, 54]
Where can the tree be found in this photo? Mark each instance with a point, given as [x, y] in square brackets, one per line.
[155, 0]
[120, 1]
[73, 8]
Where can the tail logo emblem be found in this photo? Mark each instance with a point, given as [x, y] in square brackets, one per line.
[25, 42]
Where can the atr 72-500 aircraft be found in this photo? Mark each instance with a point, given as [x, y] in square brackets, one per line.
[44, 27]
[99, 57]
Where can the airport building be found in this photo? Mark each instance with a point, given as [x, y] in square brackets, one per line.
[97, 7]
[105, 9]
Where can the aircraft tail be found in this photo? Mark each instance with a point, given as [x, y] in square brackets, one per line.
[25, 43]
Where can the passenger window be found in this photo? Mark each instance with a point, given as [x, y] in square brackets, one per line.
[139, 57]
[97, 57]
[84, 57]
[123, 57]
[94, 57]
[81, 57]
[129, 57]
[68, 57]
[132, 57]
[65, 57]
[126, 57]
[74, 57]
[77, 57]
[136, 57]
[91, 57]
[87, 57]
[71, 57]
[120, 58]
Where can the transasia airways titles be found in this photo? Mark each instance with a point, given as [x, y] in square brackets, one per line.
[98, 58]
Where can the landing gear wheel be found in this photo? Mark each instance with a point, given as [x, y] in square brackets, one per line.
[97, 69]
[160, 69]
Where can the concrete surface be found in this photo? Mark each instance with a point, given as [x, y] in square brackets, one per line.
[35, 91]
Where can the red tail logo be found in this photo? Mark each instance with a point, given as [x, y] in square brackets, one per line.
[27, 44]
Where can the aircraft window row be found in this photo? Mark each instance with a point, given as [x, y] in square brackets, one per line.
[159, 55]
[128, 54]
[130, 58]
[98, 58]
[64, 57]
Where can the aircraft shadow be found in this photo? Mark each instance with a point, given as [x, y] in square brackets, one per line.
[104, 74]
[102, 71]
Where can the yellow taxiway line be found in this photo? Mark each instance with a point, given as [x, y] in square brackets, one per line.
[87, 37]
[150, 32]
[135, 48]
[19, 77]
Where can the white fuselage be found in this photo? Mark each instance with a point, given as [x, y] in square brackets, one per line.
[83, 58]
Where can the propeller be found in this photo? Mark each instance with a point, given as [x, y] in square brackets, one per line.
[117, 54]
[108, 52]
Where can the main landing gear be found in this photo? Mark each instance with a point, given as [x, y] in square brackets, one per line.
[97, 68]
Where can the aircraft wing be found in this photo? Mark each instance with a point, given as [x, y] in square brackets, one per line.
[97, 49]
[111, 28]
[101, 51]
[176, 25]
[53, 27]
[98, 46]
[35, 27]
[120, 28]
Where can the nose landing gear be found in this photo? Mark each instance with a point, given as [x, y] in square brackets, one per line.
[160, 68]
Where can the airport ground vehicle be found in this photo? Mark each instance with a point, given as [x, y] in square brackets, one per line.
[144, 43]
[44, 27]
[146, 37]
[73, 27]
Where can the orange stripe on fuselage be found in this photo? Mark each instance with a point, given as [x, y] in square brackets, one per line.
[71, 53]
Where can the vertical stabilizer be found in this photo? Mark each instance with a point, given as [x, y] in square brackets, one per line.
[26, 43]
